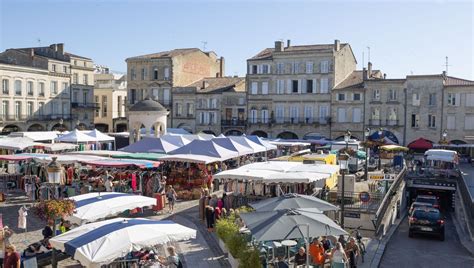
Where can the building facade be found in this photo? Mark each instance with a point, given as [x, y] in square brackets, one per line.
[289, 88]
[205, 105]
[110, 95]
[154, 75]
[36, 91]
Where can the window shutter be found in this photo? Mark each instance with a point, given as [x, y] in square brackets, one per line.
[303, 86]
[458, 99]
[315, 86]
[288, 86]
[299, 86]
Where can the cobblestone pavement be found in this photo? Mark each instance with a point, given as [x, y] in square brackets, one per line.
[200, 252]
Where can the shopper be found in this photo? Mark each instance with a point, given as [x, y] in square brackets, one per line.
[338, 257]
[300, 257]
[172, 260]
[352, 252]
[171, 196]
[317, 253]
[11, 258]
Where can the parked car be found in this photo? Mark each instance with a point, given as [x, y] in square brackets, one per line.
[433, 200]
[418, 205]
[425, 220]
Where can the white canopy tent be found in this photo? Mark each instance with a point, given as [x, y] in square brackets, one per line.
[37, 135]
[105, 153]
[269, 176]
[201, 159]
[205, 148]
[77, 136]
[101, 137]
[257, 148]
[233, 145]
[262, 142]
[442, 155]
[63, 159]
[17, 143]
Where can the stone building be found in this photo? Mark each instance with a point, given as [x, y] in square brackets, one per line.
[110, 94]
[210, 105]
[36, 91]
[154, 75]
[289, 88]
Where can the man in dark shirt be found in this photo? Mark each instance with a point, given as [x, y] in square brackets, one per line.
[48, 231]
[300, 258]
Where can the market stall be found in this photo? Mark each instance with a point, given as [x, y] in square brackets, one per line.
[85, 141]
[152, 145]
[105, 142]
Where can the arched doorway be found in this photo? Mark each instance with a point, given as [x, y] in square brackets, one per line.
[234, 132]
[59, 127]
[102, 127]
[35, 127]
[209, 132]
[287, 135]
[260, 133]
[121, 127]
[9, 129]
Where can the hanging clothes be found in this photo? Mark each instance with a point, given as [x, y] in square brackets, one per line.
[22, 217]
[134, 182]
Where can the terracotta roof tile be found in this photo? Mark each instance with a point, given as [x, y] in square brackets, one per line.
[267, 53]
[454, 81]
[166, 54]
[218, 84]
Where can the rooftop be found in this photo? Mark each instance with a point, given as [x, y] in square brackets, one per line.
[166, 54]
[218, 84]
[267, 53]
[454, 81]
[147, 105]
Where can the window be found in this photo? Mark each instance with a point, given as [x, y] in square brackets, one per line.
[451, 122]
[41, 108]
[75, 78]
[309, 86]
[341, 96]
[431, 121]
[213, 104]
[254, 88]
[167, 73]
[133, 75]
[264, 115]
[133, 96]
[190, 109]
[375, 115]
[324, 66]
[266, 69]
[155, 73]
[341, 115]
[75, 62]
[324, 85]
[294, 114]
[469, 122]
[309, 67]
[17, 109]
[65, 88]
[356, 115]
[454, 99]
[53, 68]
[254, 69]
[143, 73]
[253, 116]
[41, 89]
[96, 100]
[356, 97]
[264, 88]
[166, 96]
[5, 108]
[155, 92]
[432, 99]
[392, 114]
[5, 86]
[85, 64]
[65, 108]
[280, 87]
[65, 69]
[86, 79]
[294, 86]
[29, 88]
[241, 101]
[85, 98]
[279, 114]
[323, 114]
[54, 87]
[415, 120]
[376, 95]
[29, 108]
[416, 99]
[18, 87]
[104, 106]
[470, 100]
[280, 68]
[308, 114]
[295, 67]
[75, 96]
[392, 95]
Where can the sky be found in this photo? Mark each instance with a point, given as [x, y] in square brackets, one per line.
[405, 37]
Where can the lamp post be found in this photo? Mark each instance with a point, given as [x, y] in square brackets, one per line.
[343, 163]
[380, 132]
[54, 177]
[366, 168]
[61, 127]
[445, 138]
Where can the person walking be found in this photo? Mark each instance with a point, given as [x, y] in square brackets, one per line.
[172, 260]
[317, 253]
[11, 258]
[171, 196]
[352, 251]
[338, 257]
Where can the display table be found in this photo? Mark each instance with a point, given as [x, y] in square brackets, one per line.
[288, 244]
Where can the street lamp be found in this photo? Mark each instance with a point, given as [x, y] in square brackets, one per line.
[54, 177]
[61, 127]
[366, 169]
[343, 164]
[380, 132]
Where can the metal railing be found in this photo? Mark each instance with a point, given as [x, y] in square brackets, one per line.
[37, 117]
[375, 122]
[468, 203]
[289, 120]
[353, 202]
[91, 105]
[233, 122]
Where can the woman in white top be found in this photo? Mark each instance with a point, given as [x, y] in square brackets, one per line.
[338, 256]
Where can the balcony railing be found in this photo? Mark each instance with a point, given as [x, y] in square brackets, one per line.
[86, 105]
[36, 117]
[392, 122]
[233, 122]
[375, 122]
[289, 120]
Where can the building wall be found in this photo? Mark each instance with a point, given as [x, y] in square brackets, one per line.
[461, 111]
[344, 64]
[191, 67]
[47, 108]
[208, 113]
[187, 120]
[235, 121]
[82, 91]
[115, 92]
[353, 123]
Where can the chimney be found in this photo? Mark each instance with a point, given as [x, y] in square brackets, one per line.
[279, 46]
[384, 76]
[221, 67]
[60, 47]
[444, 73]
[288, 43]
[204, 84]
[337, 45]
[369, 70]
[364, 74]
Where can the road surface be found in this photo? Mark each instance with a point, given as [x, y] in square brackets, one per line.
[426, 251]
